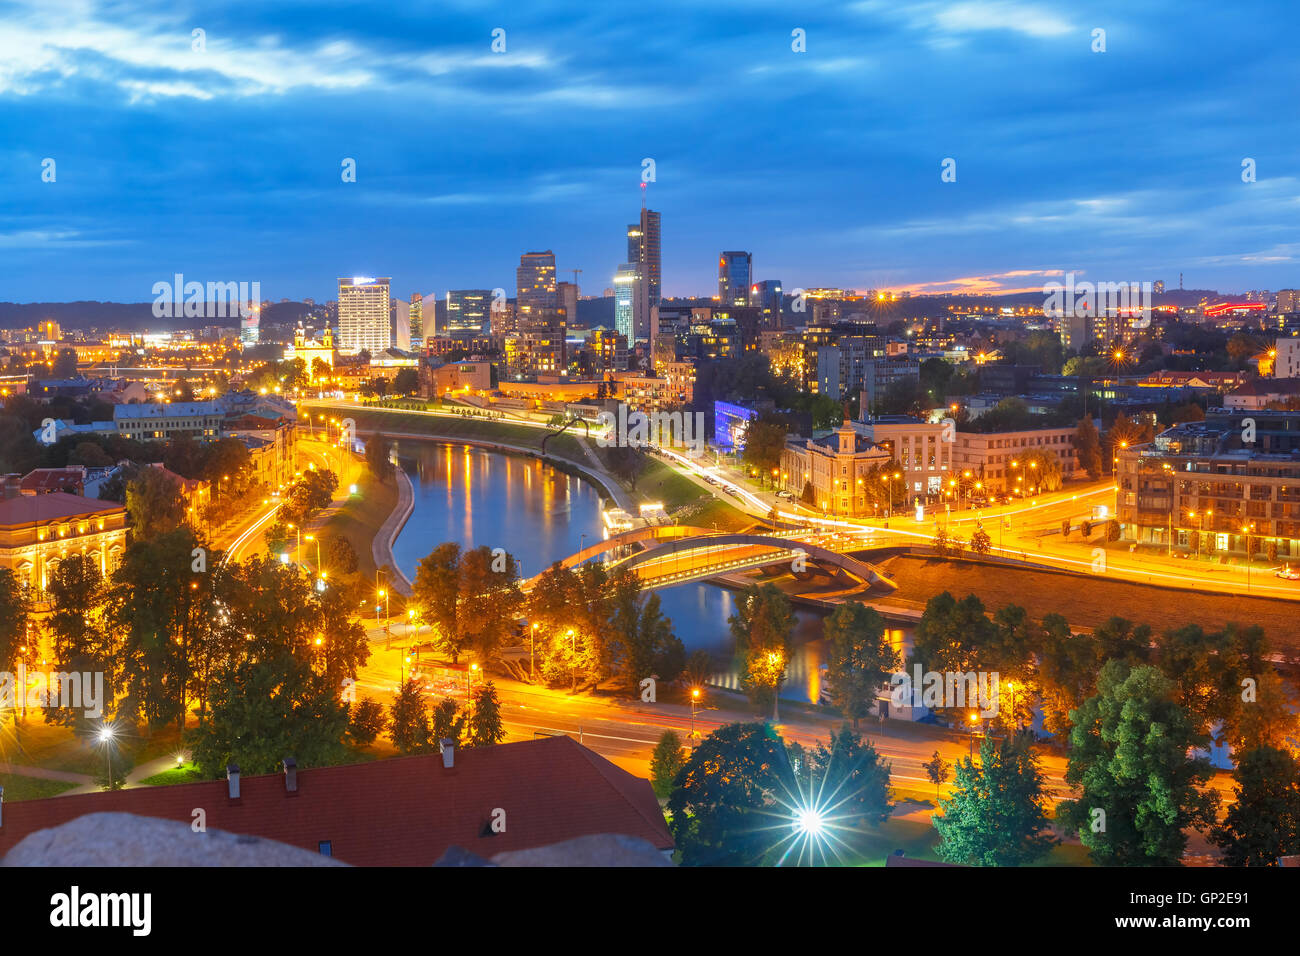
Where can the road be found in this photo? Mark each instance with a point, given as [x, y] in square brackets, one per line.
[626, 731]
[1026, 531]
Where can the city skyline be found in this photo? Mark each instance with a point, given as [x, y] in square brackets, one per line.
[1116, 165]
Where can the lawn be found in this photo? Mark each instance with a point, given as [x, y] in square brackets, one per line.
[361, 516]
[185, 773]
[30, 788]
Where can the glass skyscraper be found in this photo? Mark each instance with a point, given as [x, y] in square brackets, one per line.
[735, 273]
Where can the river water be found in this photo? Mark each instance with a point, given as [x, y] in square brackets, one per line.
[539, 514]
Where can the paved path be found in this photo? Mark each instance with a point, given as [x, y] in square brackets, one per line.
[381, 547]
[134, 777]
[40, 773]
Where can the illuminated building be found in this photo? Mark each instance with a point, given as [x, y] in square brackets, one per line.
[311, 351]
[643, 250]
[364, 320]
[735, 275]
[469, 310]
[39, 531]
[535, 285]
[627, 295]
[832, 472]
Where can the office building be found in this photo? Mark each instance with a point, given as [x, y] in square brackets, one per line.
[566, 296]
[735, 275]
[627, 294]
[766, 295]
[364, 315]
[417, 321]
[536, 300]
[469, 310]
[835, 474]
[643, 250]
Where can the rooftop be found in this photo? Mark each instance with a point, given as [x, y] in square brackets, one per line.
[27, 509]
[405, 811]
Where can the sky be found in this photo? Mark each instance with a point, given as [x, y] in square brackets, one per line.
[219, 155]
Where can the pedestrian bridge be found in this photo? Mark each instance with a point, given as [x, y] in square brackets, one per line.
[664, 555]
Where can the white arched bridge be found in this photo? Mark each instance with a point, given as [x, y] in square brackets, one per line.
[664, 555]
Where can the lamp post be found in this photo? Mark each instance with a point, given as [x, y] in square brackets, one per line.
[106, 738]
[532, 637]
[695, 698]
[970, 748]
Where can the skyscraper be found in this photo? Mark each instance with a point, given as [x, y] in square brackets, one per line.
[364, 315]
[566, 297]
[735, 273]
[469, 310]
[643, 250]
[767, 296]
[400, 310]
[417, 320]
[535, 284]
[625, 295]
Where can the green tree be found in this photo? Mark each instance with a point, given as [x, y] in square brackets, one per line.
[762, 626]
[1129, 751]
[448, 723]
[936, 769]
[996, 815]
[860, 659]
[485, 726]
[15, 606]
[1087, 445]
[849, 780]
[764, 443]
[980, 541]
[367, 721]
[266, 709]
[154, 503]
[409, 724]
[718, 807]
[666, 762]
[1263, 822]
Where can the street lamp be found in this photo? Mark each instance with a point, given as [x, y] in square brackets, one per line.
[970, 748]
[695, 699]
[573, 638]
[106, 734]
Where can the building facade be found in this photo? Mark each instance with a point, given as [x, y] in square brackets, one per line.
[1223, 485]
[39, 531]
[364, 315]
[992, 458]
[735, 276]
[832, 473]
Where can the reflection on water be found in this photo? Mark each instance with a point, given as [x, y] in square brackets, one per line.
[477, 497]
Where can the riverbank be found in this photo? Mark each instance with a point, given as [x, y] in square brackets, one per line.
[653, 482]
[1085, 602]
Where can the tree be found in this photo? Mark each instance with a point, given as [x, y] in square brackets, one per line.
[448, 724]
[406, 381]
[717, 809]
[996, 815]
[485, 727]
[936, 768]
[436, 592]
[264, 710]
[310, 495]
[1263, 823]
[860, 659]
[154, 503]
[764, 443]
[850, 777]
[1129, 757]
[1087, 445]
[665, 763]
[367, 721]
[409, 727]
[378, 450]
[15, 606]
[762, 626]
[337, 555]
[980, 541]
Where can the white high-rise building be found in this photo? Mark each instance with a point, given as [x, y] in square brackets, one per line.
[364, 320]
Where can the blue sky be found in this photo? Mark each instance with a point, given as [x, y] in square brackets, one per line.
[224, 164]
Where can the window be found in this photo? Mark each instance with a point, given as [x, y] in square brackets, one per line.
[326, 847]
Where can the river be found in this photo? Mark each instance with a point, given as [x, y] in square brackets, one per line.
[539, 514]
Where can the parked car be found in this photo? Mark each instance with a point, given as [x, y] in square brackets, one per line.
[785, 494]
[1288, 572]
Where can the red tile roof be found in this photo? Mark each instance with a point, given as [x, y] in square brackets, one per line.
[57, 504]
[54, 479]
[406, 811]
